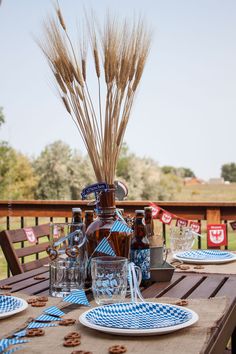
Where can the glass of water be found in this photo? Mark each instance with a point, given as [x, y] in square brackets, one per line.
[109, 279]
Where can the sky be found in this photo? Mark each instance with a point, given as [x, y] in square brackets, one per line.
[185, 110]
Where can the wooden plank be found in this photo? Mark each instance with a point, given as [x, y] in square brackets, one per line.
[28, 283]
[10, 254]
[228, 288]
[208, 287]
[20, 277]
[34, 264]
[37, 288]
[19, 235]
[28, 251]
[157, 289]
[185, 287]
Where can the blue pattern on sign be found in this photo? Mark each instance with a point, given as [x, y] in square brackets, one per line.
[206, 254]
[138, 315]
[141, 258]
[8, 303]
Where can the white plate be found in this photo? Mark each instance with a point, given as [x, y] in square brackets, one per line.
[87, 319]
[21, 306]
[205, 257]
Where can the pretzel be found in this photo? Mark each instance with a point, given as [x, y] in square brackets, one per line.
[35, 332]
[42, 298]
[198, 267]
[72, 335]
[117, 349]
[52, 252]
[5, 287]
[181, 302]
[38, 304]
[32, 300]
[80, 352]
[184, 267]
[39, 277]
[72, 252]
[71, 342]
[67, 322]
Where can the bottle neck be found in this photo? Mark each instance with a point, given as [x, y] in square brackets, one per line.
[106, 204]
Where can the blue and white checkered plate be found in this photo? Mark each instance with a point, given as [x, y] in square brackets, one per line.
[140, 318]
[10, 305]
[205, 256]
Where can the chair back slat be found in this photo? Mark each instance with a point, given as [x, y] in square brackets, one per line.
[34, 264]
[8, 241]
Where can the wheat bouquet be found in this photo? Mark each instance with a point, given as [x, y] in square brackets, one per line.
[119, 52]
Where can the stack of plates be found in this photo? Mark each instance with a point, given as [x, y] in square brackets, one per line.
[205, 256]
[9, 305]
[144, 318]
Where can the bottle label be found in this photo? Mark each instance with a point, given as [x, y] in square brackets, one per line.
[141, 258]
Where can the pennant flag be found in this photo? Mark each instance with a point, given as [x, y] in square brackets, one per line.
[13, 350]
[20, 334]
[120, 227]
[54, 311]
[195, 226]
[105, 247]
[40, 325]
[29, 232]
[5, 343]
[155, 210]
[181, 222]
[166, 217]
[77, 297]
[47, 318]
[233, 225]
[120, 216]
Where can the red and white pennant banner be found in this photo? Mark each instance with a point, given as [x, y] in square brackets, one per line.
[167, 217]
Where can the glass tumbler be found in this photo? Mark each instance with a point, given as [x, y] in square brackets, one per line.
[181, 239]
[109, 279]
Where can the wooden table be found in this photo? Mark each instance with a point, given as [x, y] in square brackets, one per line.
[182, 285]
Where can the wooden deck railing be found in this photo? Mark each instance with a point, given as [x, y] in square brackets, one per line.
[18, 214]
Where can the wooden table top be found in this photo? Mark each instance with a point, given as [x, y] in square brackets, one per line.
[182, 285]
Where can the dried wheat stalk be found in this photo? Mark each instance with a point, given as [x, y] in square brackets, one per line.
[119, 54]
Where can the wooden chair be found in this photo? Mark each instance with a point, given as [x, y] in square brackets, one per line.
[13, 255]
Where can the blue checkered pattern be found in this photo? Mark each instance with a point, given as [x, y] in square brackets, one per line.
[104, 247]
[54, 311]
[77, 297]
[120, 227]
[138, 315]
[9, 303]
[206, 254]
[47, 318]
[40, 325]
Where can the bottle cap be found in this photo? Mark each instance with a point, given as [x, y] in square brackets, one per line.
[76, 210]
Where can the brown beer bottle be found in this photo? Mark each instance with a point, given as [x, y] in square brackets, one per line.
[149, 221]
[88, 218]
[140, 250]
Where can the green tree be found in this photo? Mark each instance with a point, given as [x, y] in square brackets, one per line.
[228, 172]
[62, 173]
[17, 180]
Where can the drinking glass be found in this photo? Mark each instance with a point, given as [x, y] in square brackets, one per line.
[109, 279]
[68, 258]
[181, 239]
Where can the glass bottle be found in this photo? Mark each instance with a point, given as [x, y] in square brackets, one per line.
[101, 227]
[140, 249]
[149, 221]
[88, 218]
